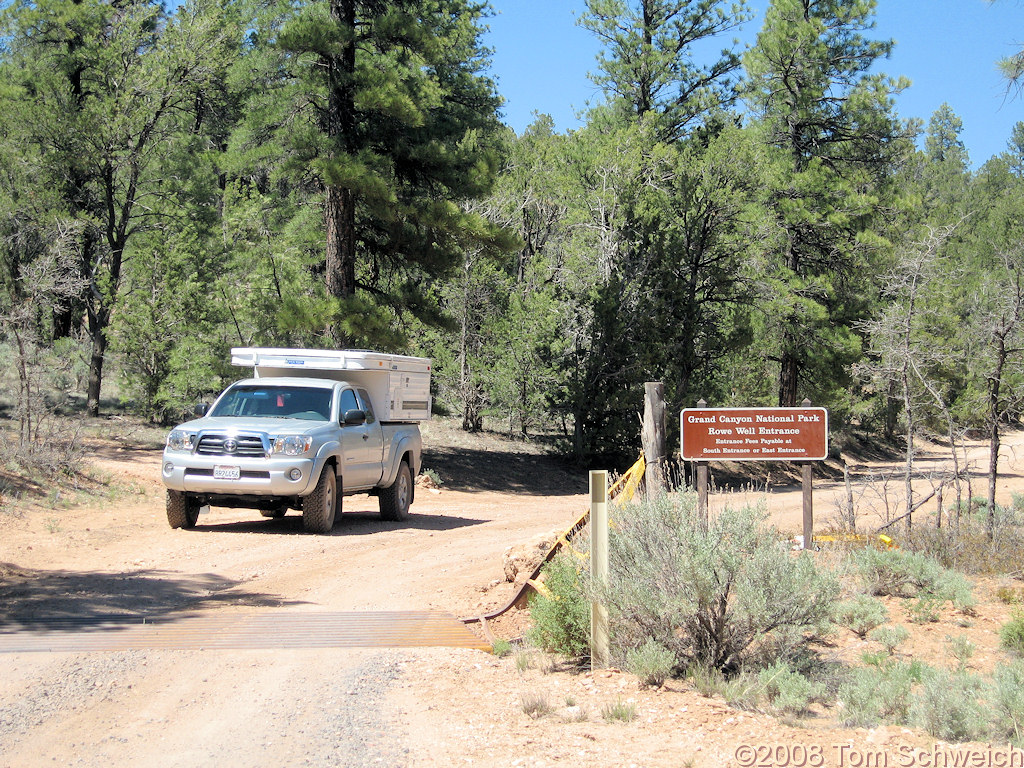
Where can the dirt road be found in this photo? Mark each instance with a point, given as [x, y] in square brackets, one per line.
[262, 707]
[335, 706]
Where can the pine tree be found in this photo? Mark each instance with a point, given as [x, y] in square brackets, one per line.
[101, 87]
[381, 112]
[831, 124]
[942, 143]
[658, 215]
[648, 69]
[1015, 150]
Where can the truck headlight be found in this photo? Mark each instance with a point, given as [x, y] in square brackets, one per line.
[180, 440]
[292, 445]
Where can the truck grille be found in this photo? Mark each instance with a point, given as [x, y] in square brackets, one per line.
[245, 446]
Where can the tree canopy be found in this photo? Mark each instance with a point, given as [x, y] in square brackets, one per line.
[751, 228]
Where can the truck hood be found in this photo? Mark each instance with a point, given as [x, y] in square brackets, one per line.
[250, 424]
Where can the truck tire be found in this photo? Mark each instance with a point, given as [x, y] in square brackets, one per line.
[319, 508]
[182, 510]
[395, 501]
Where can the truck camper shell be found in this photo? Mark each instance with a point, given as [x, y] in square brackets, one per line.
[398, 385]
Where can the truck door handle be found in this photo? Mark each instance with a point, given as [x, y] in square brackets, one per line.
[366, 437]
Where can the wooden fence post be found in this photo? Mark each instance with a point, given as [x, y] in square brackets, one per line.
[652, 438]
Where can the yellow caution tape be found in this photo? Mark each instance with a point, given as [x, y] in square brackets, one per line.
[623, 489]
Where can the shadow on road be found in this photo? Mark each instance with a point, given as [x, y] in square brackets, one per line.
[36, 599]
[469, 469]
[357, 523]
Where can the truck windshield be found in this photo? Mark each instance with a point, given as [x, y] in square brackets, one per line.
[276, 403]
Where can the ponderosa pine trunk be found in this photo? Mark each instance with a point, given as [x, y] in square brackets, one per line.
[789, 376]
[339, 207]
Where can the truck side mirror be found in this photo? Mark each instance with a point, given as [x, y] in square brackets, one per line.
[354, 417]
[200, 409]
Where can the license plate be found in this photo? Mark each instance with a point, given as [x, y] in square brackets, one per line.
[222, 472]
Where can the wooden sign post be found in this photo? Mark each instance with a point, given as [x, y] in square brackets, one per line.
[702, 480]
[756, 434]
[807, 479]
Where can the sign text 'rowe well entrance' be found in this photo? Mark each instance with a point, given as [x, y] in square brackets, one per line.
[756, 434]
[749, 434]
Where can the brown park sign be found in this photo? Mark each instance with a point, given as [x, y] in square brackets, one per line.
[749, 434]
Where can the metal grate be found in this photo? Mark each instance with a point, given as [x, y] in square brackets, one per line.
[246, 445]
[268, 629]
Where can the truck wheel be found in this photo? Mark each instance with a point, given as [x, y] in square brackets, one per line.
[395, 501]
[275, 513]
[318, 509]
[182, 510]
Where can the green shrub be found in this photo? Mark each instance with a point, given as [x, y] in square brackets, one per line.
[901, 573]
[878, 693]
[861, 614]
[651, 662]
[708, 682]
[1008, 704]
[926, 608]
[432, 476]
[890, 638]
[501, 648]
[1017, 504]
[722, 596]
[1011, 634]
[787, 690]
[742, 690]
[859, 699]
[619, 712]
[561, 622]
[961, 649]
[951, 706]
[958, 590]
[896, 572]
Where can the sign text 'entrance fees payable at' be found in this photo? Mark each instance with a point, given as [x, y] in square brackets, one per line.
[766, 434]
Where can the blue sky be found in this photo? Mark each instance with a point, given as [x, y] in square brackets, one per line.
[947, 48]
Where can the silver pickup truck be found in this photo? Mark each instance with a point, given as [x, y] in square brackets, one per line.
[281, 443]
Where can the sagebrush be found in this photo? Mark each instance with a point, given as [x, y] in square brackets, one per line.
[900, 573]
[952, 705]
[861, 614]
[719, 595]
[1011, 634]
[651, 662]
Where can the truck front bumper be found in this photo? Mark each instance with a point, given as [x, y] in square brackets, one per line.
[223, 475]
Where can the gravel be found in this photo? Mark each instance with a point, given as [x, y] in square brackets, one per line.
[353, 729]
[320, 718]
[73, 684]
